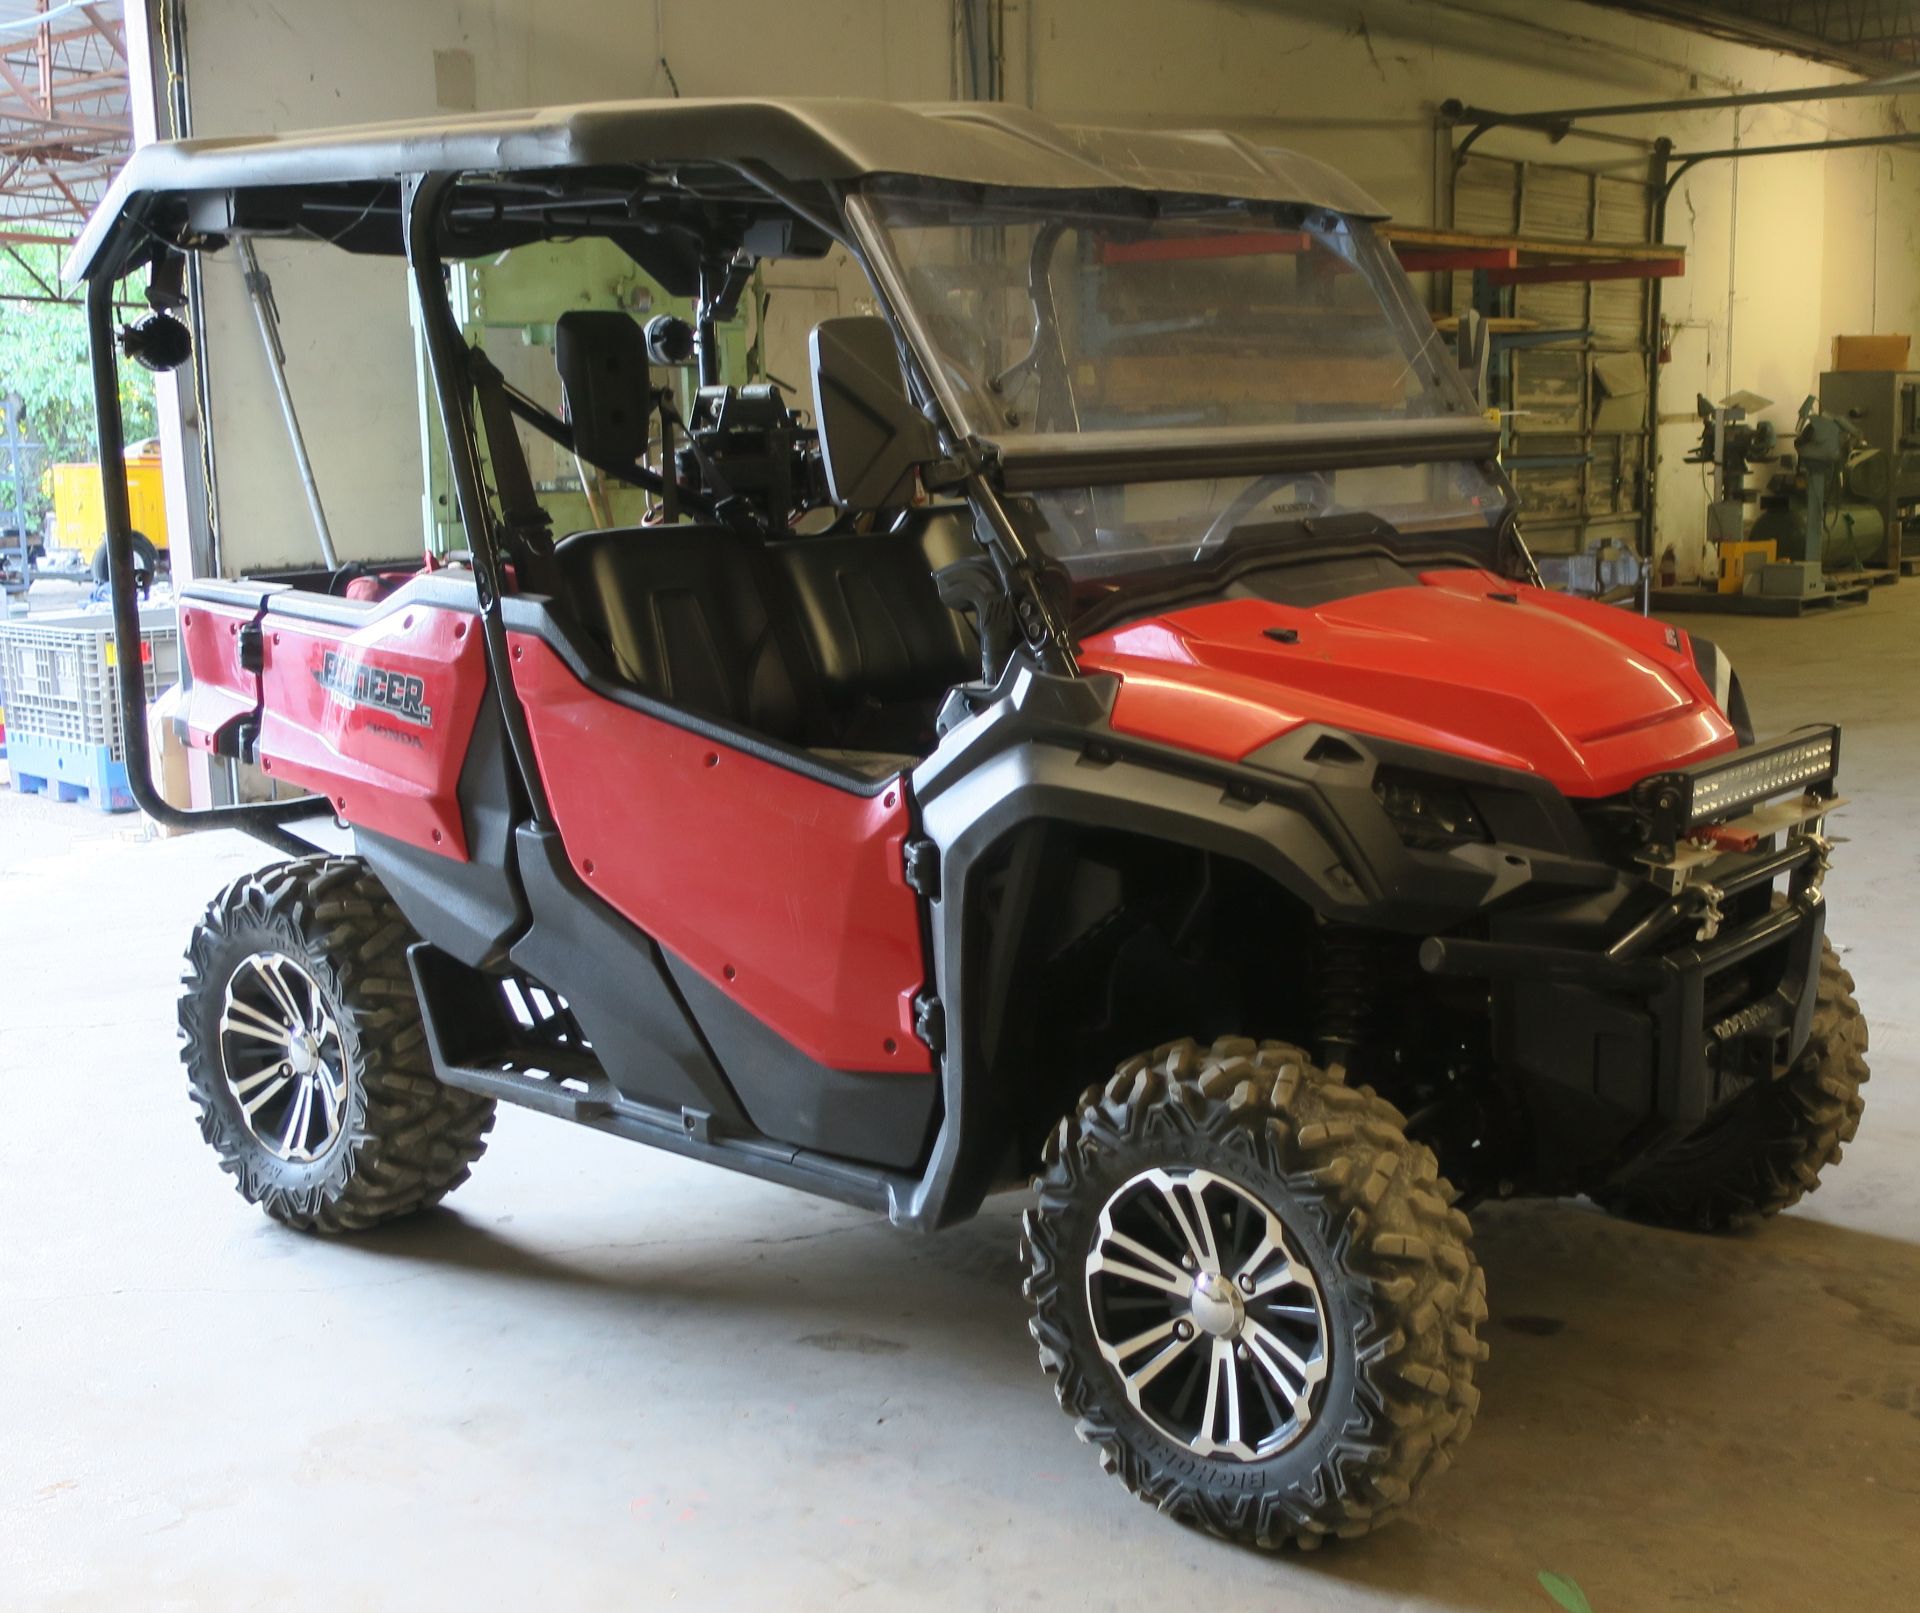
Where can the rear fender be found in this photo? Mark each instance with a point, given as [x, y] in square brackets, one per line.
[374, 707]
[221, 666]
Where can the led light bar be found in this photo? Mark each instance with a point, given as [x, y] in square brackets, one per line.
[1711, 792]
[1748, 777]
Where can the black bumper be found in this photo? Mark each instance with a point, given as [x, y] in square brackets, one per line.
[1618, 1060]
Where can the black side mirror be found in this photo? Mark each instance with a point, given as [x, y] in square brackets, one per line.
[871, 436]
[601, 355]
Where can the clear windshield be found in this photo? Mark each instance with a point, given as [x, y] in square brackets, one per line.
[1186, 315]
[1100, 531]
[1179, 314]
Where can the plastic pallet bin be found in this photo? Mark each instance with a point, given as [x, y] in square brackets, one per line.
[65, 729]
[60, 674]
[70, 773]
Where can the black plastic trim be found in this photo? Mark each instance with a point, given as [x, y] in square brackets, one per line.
[1301, 811]
[576, 1088]
[469, 910]
[1629, 1043]
[881, 1117]
[614, 978]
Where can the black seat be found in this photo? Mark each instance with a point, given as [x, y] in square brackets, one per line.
[683, 612]
[883, 648]
[838, 643]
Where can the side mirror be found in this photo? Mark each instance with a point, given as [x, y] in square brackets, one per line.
[601, 355]
[871, 435]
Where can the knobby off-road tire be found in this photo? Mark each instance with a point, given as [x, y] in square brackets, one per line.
[1771, 1145]
[319, 946]
[1399, 1295]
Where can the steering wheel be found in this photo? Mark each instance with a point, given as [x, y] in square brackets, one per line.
[1256, 493]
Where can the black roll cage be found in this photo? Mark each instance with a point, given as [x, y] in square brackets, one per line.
[431, 224]
[425, 222]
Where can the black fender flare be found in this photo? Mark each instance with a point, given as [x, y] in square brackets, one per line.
[1040, 749]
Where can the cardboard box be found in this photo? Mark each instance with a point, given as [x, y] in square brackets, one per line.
[1871, 352]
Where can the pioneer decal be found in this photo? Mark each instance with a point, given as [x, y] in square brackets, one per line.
[353, 683]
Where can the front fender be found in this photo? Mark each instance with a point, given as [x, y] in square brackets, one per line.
[1302, 812]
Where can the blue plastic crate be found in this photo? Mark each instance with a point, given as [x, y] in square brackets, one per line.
[69, 772]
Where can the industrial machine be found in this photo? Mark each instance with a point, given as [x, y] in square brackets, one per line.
[1732, 443]
[1883, 406]
[1813, 528]
[1111, 741]
[1818, 513]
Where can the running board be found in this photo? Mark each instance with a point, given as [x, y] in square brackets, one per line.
[583, 1095]
[570, 1083]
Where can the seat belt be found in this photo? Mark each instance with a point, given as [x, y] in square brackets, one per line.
[525, 526]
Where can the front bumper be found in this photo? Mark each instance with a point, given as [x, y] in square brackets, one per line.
[1628, 1030]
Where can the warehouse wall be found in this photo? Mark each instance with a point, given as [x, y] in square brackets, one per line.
[1783, 252]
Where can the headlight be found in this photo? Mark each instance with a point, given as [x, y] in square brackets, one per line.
[1427, 813]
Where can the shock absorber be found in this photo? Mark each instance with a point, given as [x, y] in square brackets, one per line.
[1346, 973]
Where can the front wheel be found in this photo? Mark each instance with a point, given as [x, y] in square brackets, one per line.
[1253, 1293]
[306, 1054]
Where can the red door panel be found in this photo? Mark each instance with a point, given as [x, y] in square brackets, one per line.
[786, 893]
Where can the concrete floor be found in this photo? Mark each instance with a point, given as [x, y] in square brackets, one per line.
[601, 1376]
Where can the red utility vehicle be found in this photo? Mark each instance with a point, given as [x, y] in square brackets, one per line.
[1114, 737]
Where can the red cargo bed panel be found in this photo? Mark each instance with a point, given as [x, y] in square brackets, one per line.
[376, 718]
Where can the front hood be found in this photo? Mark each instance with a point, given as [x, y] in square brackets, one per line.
[1587, 696]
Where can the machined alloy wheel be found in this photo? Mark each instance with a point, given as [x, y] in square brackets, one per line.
[1202, 1305]
[306, 1054]
[1253, 1292]
[281, 1055]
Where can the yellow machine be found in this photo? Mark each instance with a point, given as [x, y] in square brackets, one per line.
[77, 519]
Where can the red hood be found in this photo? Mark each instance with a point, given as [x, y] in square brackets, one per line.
[1588, 696]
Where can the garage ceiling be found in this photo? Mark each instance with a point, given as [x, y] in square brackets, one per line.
[64, 123]
[1866, 35]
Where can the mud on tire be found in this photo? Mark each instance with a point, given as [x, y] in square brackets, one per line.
[1770, 1148]
[1402, 1295]
[320, 937]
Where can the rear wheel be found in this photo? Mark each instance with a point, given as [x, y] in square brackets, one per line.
[306, 1055]
[1770, 1145]
[1253, 1293]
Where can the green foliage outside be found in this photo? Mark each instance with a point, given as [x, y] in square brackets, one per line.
[43, 362]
